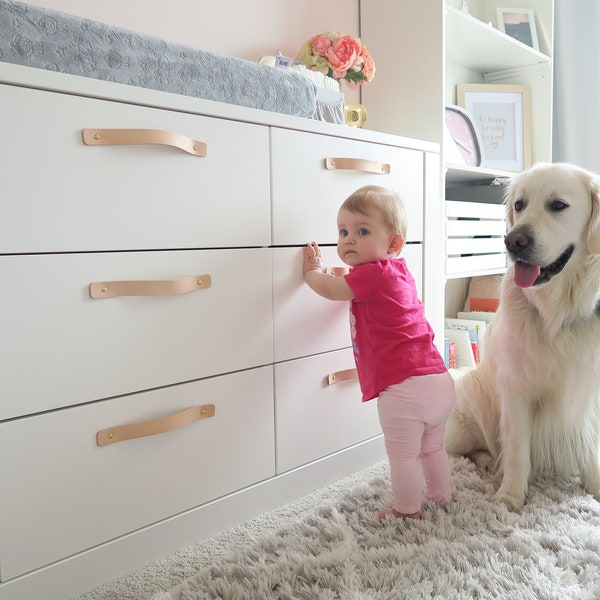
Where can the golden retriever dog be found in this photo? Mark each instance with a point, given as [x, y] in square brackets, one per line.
[532, 405]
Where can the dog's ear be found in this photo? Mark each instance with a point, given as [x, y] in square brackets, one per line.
[593, 228]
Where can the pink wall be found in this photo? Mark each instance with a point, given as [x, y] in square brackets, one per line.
[242, 28]
[245, 29]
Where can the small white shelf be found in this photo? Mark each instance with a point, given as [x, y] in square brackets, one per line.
[461, 174]
[488, 49]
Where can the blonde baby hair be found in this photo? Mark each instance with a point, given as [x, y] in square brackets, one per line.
[387, 203]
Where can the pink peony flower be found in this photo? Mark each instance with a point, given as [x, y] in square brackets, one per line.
[340, 56]
[368, 68]
[320, 44]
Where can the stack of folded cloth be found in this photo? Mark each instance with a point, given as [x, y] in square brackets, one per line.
[330, 101]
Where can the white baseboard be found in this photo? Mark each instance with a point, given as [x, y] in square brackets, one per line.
[84, 571]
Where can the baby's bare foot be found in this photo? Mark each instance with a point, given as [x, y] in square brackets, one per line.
[390, 512]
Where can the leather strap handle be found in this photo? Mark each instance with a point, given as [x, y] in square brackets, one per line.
[337, 271]
[167, 287]
[345, 375]
[112, 435]
[357, 164]
[120, 137]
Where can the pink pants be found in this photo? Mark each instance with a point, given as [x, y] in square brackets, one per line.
[413, 418]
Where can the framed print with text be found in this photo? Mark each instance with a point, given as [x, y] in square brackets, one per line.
[502, 115]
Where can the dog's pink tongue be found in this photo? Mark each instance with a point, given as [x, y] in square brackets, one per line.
[526, 274]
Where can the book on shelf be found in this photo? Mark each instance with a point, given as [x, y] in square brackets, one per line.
[476, 329]
[449, 354]
[464, 350]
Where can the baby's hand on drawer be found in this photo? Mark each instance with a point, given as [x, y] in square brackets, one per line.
[312, 258]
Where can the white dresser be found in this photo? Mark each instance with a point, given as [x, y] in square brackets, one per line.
[166, 373]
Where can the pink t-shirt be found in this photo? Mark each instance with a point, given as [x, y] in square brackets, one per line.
[391, 338]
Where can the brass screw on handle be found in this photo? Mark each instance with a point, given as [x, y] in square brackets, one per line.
[97, 136]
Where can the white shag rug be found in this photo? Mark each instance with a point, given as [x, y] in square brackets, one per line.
[336, 548]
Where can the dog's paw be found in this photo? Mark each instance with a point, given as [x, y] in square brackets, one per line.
[511, 501]
[591, 482]
[483, 460]
[594, 492]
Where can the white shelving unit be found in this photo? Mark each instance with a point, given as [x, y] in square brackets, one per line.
[422, 50]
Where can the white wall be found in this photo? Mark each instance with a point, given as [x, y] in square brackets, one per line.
[577, 84]
[242, 28]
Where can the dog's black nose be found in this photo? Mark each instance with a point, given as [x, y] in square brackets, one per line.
[516, 241]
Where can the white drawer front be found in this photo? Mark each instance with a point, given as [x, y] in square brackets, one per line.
[61, 195]
[306, 323]
[60, 347]
[312, 418]
[307, 195]
[66, 494]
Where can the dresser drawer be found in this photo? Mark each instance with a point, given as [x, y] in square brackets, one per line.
[314, 419]
[61, 347]
[307, 195]
[62, 195]
[306, 323]
[66, 493]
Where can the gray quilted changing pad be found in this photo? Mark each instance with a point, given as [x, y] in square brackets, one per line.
[56, 41]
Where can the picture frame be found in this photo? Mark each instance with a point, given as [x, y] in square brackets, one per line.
[518, 23]
[502, 114]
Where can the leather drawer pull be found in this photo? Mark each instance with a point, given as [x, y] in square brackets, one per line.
[358, 164]
[345, 375]
[120, 433]
[337, 271]
[167, 287]
[119, 137]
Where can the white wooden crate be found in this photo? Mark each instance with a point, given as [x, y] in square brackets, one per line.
[474, 238]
